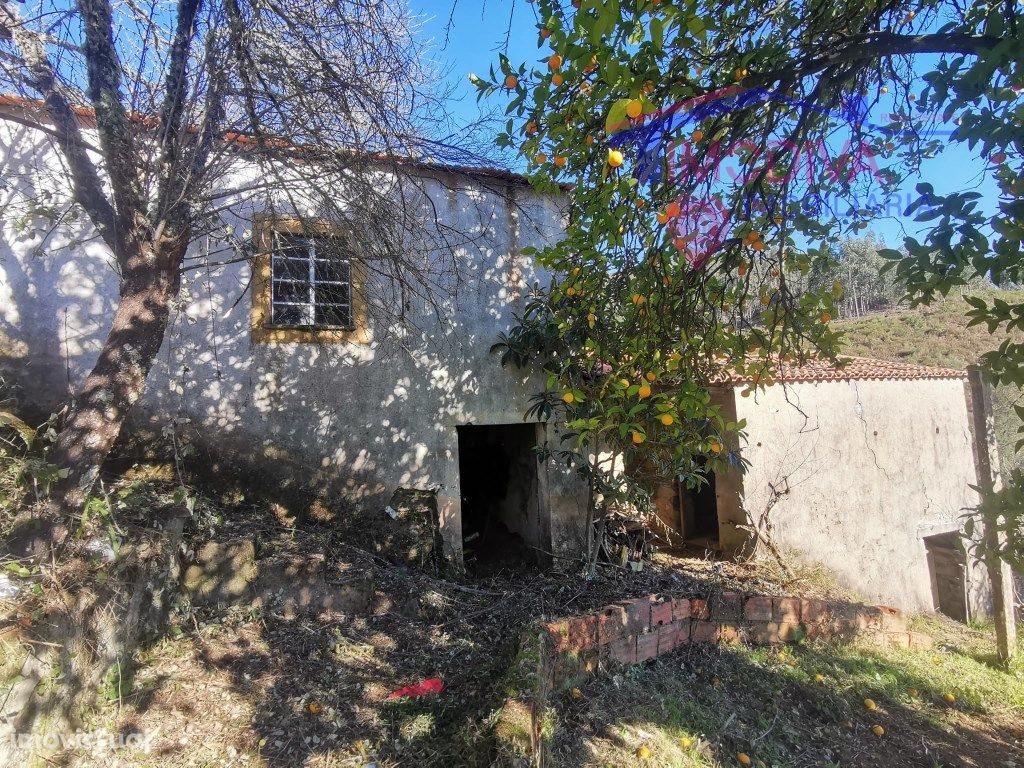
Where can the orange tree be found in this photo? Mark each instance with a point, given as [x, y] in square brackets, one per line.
[714, 155]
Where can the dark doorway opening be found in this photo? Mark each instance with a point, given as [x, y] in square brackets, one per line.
[700, 512]
[499, 486]
[947, 564]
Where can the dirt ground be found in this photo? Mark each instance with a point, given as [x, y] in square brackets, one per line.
[249, 688]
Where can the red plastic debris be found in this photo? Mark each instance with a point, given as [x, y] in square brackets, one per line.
[423, 688]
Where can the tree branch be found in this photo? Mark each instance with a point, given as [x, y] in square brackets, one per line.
[104, 72]
[85, 181]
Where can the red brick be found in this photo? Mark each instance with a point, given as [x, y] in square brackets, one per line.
[623, 650]
[673, 635]
[786, 609]
[728, 606]
[699, 609]
[611, 624]
[773, 632]
[647, 646]
[892, 618]
[703, 632]
[576, 634]
[681, 609]
[757, 609]
[813, 611]
[729, 633]
[638, 615]
[661, 613]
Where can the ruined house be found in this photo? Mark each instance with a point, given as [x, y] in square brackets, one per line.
[282, 365]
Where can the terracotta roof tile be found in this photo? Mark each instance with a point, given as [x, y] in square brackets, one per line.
[852, 369]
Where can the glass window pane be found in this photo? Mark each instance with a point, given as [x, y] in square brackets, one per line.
[285, 314]
[291, 246]
[334, 271]
[296, 292]
[340, 316]
[327, 293]
[291, 269]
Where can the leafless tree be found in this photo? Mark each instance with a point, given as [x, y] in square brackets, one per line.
[199, 111]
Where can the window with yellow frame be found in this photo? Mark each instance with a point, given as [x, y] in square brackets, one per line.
[307, 284]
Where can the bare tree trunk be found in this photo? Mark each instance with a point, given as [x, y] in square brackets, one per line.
[119, 375]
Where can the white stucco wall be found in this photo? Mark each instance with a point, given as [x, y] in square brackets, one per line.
[363, 419]
[865, 470]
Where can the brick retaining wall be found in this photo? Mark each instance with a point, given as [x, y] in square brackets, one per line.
[564, 652]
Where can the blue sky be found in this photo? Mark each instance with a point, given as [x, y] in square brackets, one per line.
[470, 38]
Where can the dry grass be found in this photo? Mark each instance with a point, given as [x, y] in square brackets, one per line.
[704, 705]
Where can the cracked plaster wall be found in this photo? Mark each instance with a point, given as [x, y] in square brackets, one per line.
[864, 470]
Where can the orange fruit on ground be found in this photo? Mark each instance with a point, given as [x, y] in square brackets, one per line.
[666, 419]
[638, 438]
[672, 210]
[557, 79]
[615, 158]
[819, 678]
[315, 707]
[878, 730]
[743, 758]
[869, 705]
[949, 698]
[644, 391]
[511, 81]
[686, 742]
